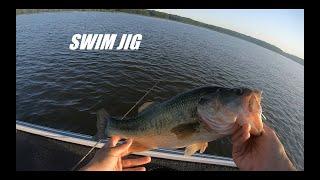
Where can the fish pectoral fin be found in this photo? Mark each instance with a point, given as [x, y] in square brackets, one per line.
[144, 106]
[193, 148]
[183, 131]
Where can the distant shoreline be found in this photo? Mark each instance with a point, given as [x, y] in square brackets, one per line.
[172, 17]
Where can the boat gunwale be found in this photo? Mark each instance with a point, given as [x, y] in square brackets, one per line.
[87, 140]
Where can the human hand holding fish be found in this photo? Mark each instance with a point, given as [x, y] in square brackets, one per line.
[259, 153]
[111, 158]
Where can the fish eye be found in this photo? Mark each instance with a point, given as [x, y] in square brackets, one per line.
[202, 101]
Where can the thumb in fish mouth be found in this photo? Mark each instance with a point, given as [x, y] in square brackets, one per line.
[255, 124]
[252, 129]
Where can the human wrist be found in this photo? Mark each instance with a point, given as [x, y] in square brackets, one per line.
[91, 166]
[286, 165]
[282, 163]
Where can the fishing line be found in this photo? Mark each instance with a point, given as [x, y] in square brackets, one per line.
[264, 117]
[75, 166]
[139, 100]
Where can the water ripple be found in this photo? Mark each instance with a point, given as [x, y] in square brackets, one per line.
[58, 87]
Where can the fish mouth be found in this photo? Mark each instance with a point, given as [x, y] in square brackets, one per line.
[251, 110]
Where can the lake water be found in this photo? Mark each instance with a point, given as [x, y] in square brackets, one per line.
[61, 88]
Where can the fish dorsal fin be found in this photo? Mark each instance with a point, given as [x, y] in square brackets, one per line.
[145, 106]
[193, 148]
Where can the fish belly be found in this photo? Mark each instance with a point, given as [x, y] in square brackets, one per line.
[170, 140]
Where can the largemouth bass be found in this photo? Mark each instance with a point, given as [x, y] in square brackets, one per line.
[191, 119]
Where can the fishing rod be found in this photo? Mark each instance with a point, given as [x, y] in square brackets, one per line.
[83, 158]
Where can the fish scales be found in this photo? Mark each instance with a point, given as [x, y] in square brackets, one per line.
[190, 119]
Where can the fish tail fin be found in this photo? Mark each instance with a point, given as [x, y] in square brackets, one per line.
[102, 120]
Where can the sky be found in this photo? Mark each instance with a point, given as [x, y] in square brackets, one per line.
[283, 28]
